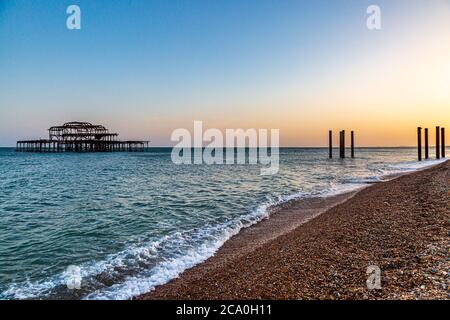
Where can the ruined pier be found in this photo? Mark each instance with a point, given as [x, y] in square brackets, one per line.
[81, 137]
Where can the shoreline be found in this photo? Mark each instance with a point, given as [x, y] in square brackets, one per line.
[289, 223]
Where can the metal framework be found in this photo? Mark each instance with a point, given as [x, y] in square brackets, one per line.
[80, 137]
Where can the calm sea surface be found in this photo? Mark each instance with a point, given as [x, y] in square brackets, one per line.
[130, 221]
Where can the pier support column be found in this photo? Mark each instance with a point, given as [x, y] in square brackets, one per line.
[426, 143]
[419, 143]
[343, 143]
[437, 142]
[443, 142]
[330, 144]
[352, 138]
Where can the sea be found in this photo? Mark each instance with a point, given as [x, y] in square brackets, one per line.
[115, 225]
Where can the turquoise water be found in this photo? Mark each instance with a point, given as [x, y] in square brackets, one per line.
[131, 221]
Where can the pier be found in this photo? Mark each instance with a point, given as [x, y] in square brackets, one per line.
[440, 143]
[341, 144]
[81, 137]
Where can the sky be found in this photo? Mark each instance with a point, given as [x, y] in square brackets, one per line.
[145, 68]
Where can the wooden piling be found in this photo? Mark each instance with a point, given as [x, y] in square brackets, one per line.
[437, 142]
[330, 144]
[352, 138]
[426, 143]
[443, 142]
[419, 143]
[343, 143]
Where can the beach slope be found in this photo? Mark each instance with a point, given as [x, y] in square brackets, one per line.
[400, 226]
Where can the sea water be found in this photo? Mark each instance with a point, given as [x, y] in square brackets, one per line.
[130, 221]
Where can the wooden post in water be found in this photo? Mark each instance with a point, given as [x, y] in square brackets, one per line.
[330, 144]
[340, 144]
[352, 138]
[419, 143]
[426, 143]
[343, 143]
[443, 142]
[437, 142]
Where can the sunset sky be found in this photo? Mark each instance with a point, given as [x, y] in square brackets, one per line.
[145, 68]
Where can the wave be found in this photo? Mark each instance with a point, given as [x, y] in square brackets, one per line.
[196, 246]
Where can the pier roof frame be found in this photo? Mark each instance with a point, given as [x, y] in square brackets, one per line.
[77, 130]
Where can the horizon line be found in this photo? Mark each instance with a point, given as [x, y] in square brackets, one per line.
[287, 147]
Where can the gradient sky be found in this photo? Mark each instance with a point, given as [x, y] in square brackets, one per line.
[144, 68]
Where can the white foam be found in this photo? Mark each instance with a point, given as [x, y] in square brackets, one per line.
[416, 165]
[173, 267]
[211, 239]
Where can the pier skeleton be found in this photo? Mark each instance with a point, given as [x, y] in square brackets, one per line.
[80, 137]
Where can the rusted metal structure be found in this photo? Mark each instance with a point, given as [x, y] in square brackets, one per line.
[341, 144]
[80, 137]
